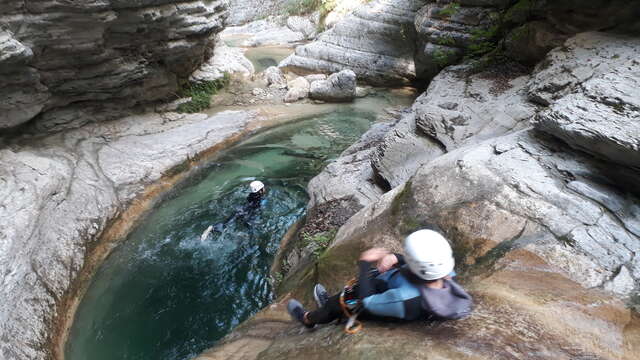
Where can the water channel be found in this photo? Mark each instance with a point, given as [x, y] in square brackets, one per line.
[163, 294]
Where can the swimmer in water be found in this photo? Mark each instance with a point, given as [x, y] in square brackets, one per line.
[254, 201]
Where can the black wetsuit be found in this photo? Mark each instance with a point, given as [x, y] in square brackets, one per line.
[254, 201]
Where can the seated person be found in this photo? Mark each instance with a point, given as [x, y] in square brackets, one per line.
[418, 285]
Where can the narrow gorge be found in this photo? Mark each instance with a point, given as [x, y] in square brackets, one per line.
[127, 127]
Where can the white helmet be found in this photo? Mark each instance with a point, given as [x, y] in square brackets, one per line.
[256, 186]
[428, 254]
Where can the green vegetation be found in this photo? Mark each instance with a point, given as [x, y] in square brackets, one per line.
[200, 94]
[446, 41]
[318, 242]
[304, 7]
[450, 9]
[443, 57]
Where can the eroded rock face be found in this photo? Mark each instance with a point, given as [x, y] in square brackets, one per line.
[244, 11]
[376, 41]
[339, 87]
[58, 195]
[457, 109]
[60, 58]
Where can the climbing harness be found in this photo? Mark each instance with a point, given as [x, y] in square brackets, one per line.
[351, 307]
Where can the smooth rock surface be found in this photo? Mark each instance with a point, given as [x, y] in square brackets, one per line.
[298, 89]
[582, 57]
[274, 77]
[457, 109]
[376, 41]
[58, 194]
[601, 115]
[339, 87]
[225, 59]
[62, 61]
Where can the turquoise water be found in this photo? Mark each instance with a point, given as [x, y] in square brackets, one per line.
[163, 293]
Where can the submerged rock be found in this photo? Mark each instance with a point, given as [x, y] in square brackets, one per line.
[339, 87]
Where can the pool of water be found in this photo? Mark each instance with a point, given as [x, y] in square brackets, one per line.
[163, 293]
[265, 56]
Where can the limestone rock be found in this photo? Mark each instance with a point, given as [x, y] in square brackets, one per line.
[460, 109]
[315, 77]
[243, 11]
[58, 196]
[274, 77]
[302, 25]
[531, 42]
[503, 210]
[445, 30]
[264, 32]
[582, 57]
[339, 87]
[622, 284]
[225, 59]
[402, 152]
[70, 54]
[298, 89]
[601, 116]
[457, 109]
[376, 41]
[350, 175]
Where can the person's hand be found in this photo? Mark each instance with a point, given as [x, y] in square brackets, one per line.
[373, 255]
[387, 262]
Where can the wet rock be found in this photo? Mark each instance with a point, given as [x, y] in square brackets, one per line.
[376, 41]
[58, 196]
[298, 89]
[225, 59]
[338, 87]
[70, 54]
[274, 77]
[503, 212]
[350, 175]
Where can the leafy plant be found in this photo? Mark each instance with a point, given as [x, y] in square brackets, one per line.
[319, 242]
[200, 94]
[450, 9]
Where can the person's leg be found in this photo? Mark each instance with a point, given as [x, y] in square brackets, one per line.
[326, 314]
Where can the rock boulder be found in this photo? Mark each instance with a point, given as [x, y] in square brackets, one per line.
[339, 87]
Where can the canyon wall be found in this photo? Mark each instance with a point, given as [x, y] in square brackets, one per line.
[395, 42]
[66, 63]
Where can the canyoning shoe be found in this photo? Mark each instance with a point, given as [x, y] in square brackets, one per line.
[321, 295]
[296, 311]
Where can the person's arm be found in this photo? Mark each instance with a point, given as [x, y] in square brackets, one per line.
[367, 260]
[399, 303]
